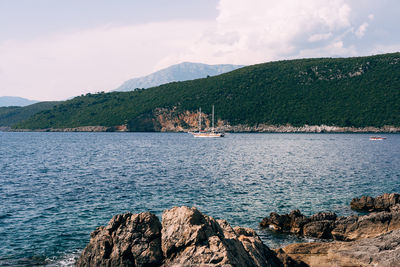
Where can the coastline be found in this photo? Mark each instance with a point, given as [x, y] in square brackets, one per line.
[186, 237]
[260, 128]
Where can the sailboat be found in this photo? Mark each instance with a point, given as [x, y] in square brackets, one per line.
[211, 133]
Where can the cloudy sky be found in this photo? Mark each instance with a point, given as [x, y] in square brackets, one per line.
[53, 50]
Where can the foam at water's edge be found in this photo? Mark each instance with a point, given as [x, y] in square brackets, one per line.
[66, 260]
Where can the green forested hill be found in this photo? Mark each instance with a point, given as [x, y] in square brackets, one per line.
[362, 91]
[12, 115]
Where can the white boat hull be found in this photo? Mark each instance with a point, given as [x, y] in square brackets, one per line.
[209, 135]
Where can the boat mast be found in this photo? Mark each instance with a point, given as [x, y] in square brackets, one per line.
[212, 129]
[200, 120]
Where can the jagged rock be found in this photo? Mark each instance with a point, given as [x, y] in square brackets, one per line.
[367, 226]
[383, 250]
[292, 222]
[323, 216]
[185, 238]
[297, 223]
[380, 203]
[190, 238]
[319, 229]
[127, 240]
[395, 208]
[327, 225]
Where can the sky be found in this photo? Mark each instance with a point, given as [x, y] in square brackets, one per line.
[54, 50]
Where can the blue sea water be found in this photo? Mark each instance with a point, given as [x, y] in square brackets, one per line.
[55, 188]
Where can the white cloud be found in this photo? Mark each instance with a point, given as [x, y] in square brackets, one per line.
[332, 49]
[244, 32]
[361, 30]
[58, 67]
[249, 32]
[385, 48]
[319, 37]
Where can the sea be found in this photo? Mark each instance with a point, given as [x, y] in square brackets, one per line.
[56, 188]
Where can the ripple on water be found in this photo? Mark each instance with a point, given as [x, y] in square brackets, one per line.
[55, 188]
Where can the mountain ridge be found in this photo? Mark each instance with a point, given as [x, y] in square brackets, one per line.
[343, 92]
[16, 101]
[179, 72]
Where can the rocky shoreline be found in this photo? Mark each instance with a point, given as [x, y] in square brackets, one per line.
[261, 128]
[265, 128]
[186, 237]
[327, 225]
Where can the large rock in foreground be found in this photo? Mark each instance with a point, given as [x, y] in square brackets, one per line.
[186, 238]
[380, 203]
[190, 238]
[383, 250]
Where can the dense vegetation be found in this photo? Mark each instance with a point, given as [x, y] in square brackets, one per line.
[12, 115]
[362, 91]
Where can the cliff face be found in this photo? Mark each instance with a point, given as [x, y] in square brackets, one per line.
[168, 120]
[171, 120]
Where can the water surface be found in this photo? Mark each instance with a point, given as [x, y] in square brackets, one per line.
[55, 188]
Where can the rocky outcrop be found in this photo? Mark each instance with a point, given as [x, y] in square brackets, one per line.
[127, 240]
[170, 120]
[190, 238]
[383, 250]
[185, 238]
[326, 225]
[380, 203]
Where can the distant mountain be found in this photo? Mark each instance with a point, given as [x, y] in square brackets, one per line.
[7, 101]
[175, 73]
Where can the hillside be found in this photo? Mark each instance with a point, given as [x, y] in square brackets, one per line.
[180, 72]
[8, 101]
[12, 115]
[361, 91]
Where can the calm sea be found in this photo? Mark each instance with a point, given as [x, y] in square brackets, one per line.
[55, 188]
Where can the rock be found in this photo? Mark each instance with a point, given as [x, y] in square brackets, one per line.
[380, 203]
[318, 229]
[327, 225]
[383, 250]
[323, 216]
[185, 238]
[127, 240]
[190, 238]
[315, 226]
[292, 222]
[395, 208]
[367, 226]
